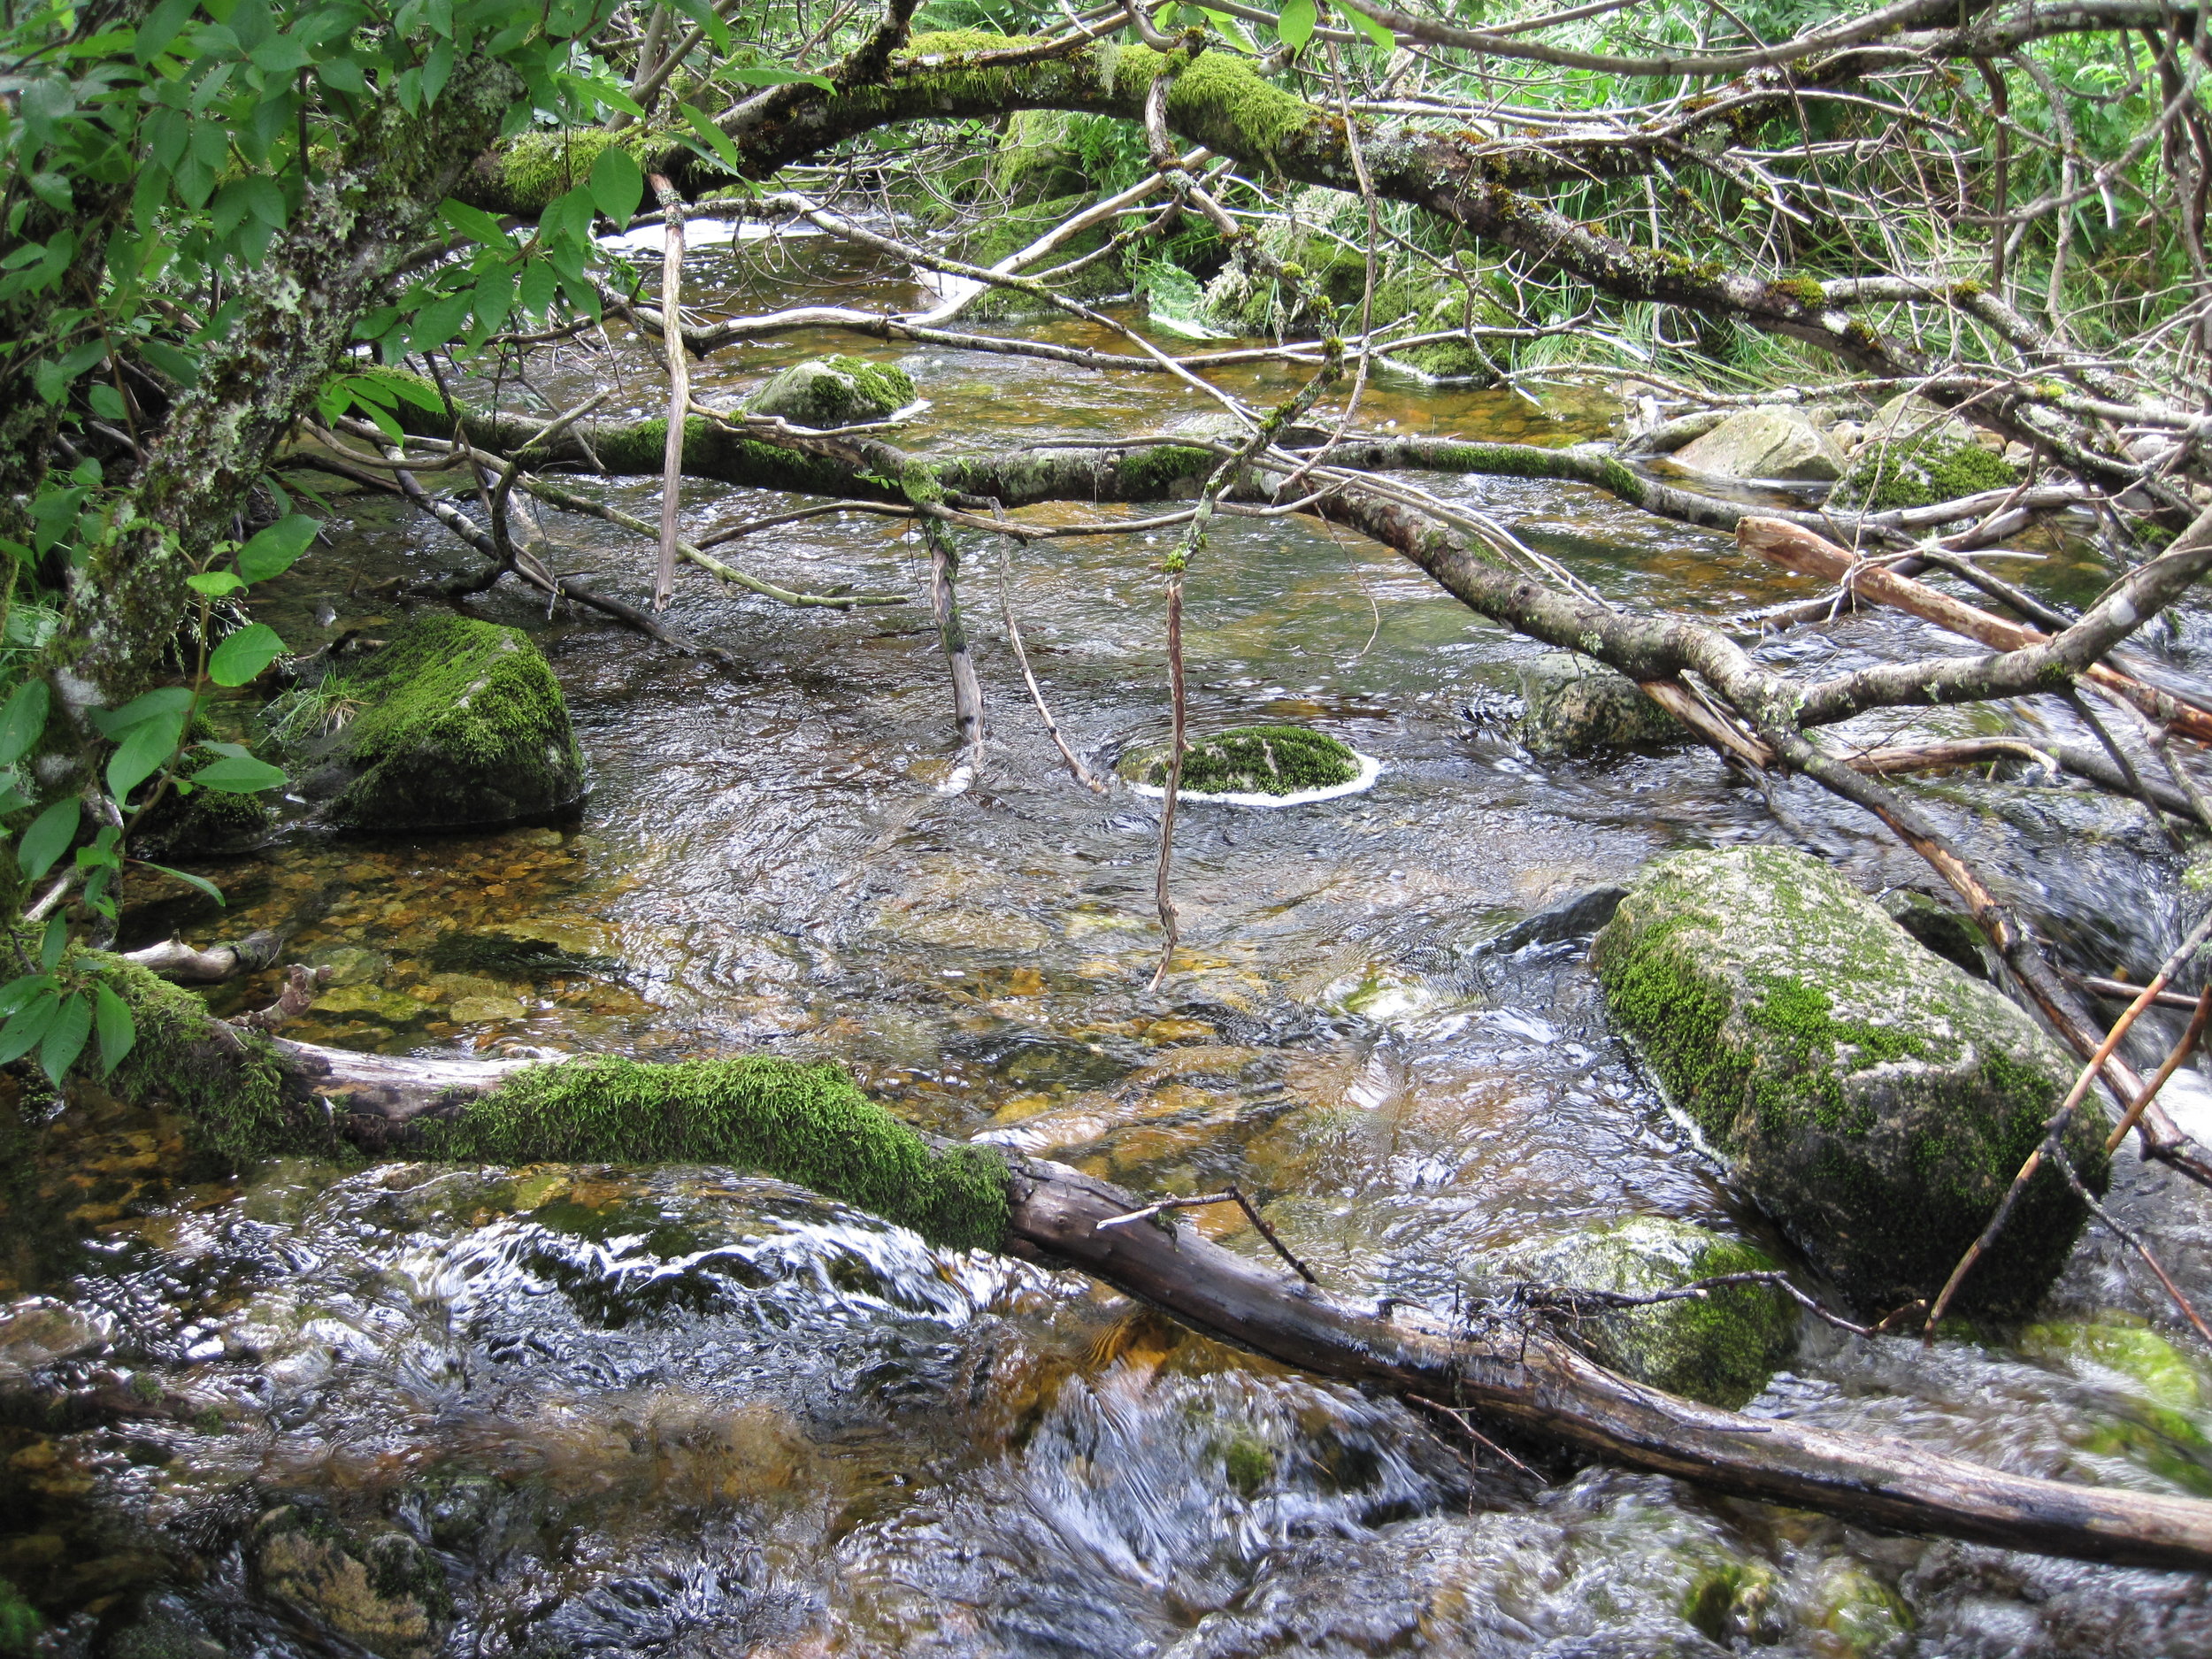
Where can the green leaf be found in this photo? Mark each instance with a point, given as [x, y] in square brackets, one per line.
[55, 942]
[23, 721]
[214, 584]
[1294, 23]
[183, 367]
[775, 76]
[48, 838]
[112, 722]
[281, 54]
[189, 880]
[1378, 32]
[473, 222]
[713, 137]
[143, 751]
[236, 774]
[65, 1038]
[26, 1027]
[16, 995]
[239, 660]
[271, 551]
[119, 1032]
[160, 28]
[617, 185]
[707, 18]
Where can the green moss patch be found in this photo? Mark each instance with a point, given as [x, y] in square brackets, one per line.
[806, 1124]
[1259, 760]
[460, 722]
[225, 1081]
[1867, 1094]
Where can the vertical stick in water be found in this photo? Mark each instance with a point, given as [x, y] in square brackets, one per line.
[1168, 920]
[944, 599]
[679, 385]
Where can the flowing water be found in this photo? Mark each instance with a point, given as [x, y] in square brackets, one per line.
[695, 1412]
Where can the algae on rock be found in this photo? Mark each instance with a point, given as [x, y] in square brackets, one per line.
[1865, 1093]
[1720, 1347]
[459, 724]
[1255, 760]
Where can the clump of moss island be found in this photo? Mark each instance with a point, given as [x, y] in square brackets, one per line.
[1259, 760]
[803, 1123]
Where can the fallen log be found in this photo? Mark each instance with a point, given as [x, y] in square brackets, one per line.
[1796, 549]
[809, 1125]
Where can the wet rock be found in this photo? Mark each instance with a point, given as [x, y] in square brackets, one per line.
[383, 1592]
[38, 1331]
[1957, 939]
[1577, 916]
[826, 392]
[1860, 1616]
[1864, 1093]
[1670, 435]
[1720, 1348]
[1913, 454]
[349, 965]
[392, 1007]
[1767, 442]
[162, 1634]
[1737, 1601]
[1572, 706]
[485, 1010]
[458, 722]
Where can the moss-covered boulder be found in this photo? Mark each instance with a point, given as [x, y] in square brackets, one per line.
[1278, 760]
[1038, 160]
[1719, 1347]
[1863, 1091]
[457, 723]
[1570, 705]
[1913, 454]
[826, 392]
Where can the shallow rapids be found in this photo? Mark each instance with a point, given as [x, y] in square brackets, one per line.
[692, 1412]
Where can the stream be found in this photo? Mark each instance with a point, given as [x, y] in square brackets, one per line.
[693, 1412]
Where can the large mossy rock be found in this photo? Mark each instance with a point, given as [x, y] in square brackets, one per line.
[1915, 455]
[824, 393]
[1865, 1093]
[1571, 705]
[383, 1592]
[458, 723]
[1766, 443]
[1720, 1347]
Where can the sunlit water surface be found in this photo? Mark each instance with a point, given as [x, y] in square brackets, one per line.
[695, 1412]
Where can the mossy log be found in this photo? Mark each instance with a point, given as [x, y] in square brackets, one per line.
[248, 1093]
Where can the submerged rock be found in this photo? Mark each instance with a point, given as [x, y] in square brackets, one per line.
[457, 723]
[385, 1592]
[1913, 454]
[1720, 1347]
[1766, 443]
[827, 392]
[1864, 1093]
[1572, 705]
[1256, 760]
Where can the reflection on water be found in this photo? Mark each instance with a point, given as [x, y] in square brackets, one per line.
[561, 1410]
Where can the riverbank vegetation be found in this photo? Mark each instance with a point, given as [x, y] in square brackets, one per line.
[1883, 294]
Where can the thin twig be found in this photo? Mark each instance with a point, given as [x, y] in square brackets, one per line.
[1227, 1196]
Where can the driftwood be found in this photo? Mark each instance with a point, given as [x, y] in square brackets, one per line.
[173, 959]
[1513, 1372]
[1796, 549]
